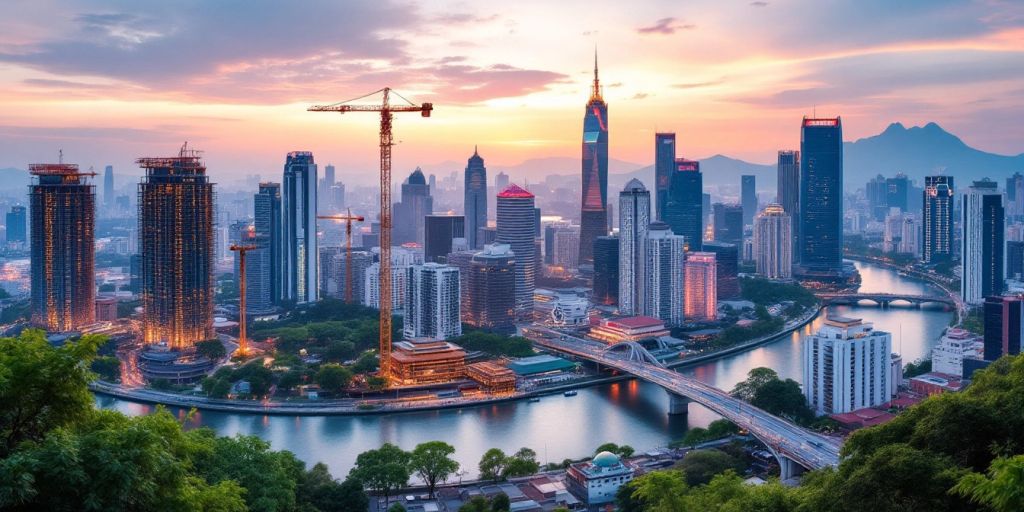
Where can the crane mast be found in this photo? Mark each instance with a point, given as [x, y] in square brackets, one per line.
[348, 247]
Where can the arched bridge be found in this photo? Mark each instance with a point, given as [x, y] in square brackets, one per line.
[790, 443]
[885, 299]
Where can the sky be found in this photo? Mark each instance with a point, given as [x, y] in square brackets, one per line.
[110, 81]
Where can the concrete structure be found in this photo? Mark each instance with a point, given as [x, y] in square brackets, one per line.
[685, 212]
[625, 329]
[17, 225]
[475, 198]
[493, 378]
[567, 247]
[954, 346]
[516, 228]
[371, 283]
[846, 366]
[982, 248]
[489, 298]
[300, 242]
[106, 309]
[661, 277]
[821, 198]
[108, 189]
[420, 361]
[773, 243]
[596, 481]
[938, 219]
[432, 302]
[416, 204]
[701, 294]
[594, 189]
[561, 308]
[634, 220]
[606, 271]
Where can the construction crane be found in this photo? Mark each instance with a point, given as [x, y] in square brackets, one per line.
[348, 247]
[387, 111]
[243, 346]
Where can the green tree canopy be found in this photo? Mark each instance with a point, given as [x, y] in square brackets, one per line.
[492, 464]
[700, 466]
[433, 462]
[333, 377]
[383, 470]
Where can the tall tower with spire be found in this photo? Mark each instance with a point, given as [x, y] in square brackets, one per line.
[475, 198]
[594, 200]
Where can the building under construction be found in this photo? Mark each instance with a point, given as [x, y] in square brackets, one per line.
[176, 244]
[63, 213]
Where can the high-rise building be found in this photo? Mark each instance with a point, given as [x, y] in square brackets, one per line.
[705, 216]
[634, 220]
[63, 211]
[684, 209]
[1015, 260]
[549, 240]
[938, 219]
[108, 188]
[567, 245]
[701, 291]
[371, 285]
[748, 198]
[664, 165]
[416, 204]
[439, 232]
[176, 244]
[1004, 329]
[515, 218]
[773, 245]
[475, 203]
[662, 280]
[788, 195]
[325, 194]
[501, 181]
[846, 366]
[594, 201]
[728, 223]
[877, 193]
[300, 243]
[432, 302]
[17, 225]
[727, 268]
[606, 270]
[270, 239]
[897, 191]
[489, 297]
[821, 196]
[982, 247]
[1015, 196]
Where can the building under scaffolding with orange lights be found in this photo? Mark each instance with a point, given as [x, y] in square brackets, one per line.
[63, 213]
[176, 245]
[492, 377]
[426, 361]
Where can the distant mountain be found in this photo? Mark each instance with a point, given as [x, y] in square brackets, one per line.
[919, 152]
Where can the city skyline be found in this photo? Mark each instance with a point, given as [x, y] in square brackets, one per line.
[245, 103]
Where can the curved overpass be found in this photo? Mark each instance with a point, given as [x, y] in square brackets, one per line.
[788, 441]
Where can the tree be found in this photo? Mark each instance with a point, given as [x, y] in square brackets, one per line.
[211, 349]
[290, 379]
[783, 398]
[383, 470]
[476, 504]
[625, 500]
[756, 379]
[107, 368]
[622, 451]
[270, 478]
[396, 507]
[522, 463]
[333, 377]
[492, 464]
[433, 463]
[1002, 489]
[700, 466]
[661, 491]
[716, 430]
[501, 503]
[366, 363]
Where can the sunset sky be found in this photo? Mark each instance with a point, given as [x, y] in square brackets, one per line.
[111, 81]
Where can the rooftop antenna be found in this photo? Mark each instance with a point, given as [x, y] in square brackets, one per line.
[60, 156]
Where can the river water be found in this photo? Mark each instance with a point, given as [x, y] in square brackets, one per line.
[559, 427]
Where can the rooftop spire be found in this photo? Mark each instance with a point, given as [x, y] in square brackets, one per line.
[596, 93]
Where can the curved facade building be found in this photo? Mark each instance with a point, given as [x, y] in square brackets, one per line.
[516, 218]
[594, 200]
[475, 204]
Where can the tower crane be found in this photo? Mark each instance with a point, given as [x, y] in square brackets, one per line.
[243, 345]
[387, 111]
[348, 218]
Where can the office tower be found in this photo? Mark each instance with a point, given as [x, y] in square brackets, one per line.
[1015, 260]
[1003, 326]
[897, 190]
[664, 165]
[270, 236]
[748, 198]
[788, 192]
[701, 292]
[1015, 196]
[17, 225]
[662, 274]
[982, 245]
[475, 202]
[108, 188]
[176, 243]
[536, 223]
[910, 235]
[439, 232]
[432, 302]
[606, 271]
[416, 204]
[593, 214]
[135, 274]
[549, 240]
[515, 228]
[62, 204]
[821, 196]
[684, 206]
[877, 192]
[846, 366]
[371, 284]
[938, 219]
[773, 245]
[727, 268]
[489, 297]
[705, 216]
[324, 194]
[337, 193]
[501, 181]
[728, 223]
[634, 220]
[567, 247]
[487, 235]
[300, 246]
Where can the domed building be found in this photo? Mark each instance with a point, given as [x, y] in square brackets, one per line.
[596, 481]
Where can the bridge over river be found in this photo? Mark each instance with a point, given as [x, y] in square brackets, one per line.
[886, 299]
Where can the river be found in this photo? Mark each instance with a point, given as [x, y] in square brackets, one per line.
[559, 427]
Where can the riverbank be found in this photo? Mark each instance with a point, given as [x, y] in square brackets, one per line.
[920, 276]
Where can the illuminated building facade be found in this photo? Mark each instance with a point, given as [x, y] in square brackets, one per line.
[662, 279]
[938, 219]
[701, 295]
[684, 212]
[490, 298]
[62, 208]
[788, 195]
[492, 377]
[982, 269]
[475, 198]
[300, 243]
[432, 302]
[594, 201]
[176, 245]
[632, 328]
[426, 361]
[664, 165]
[773, 245]
[821, 197]
[634, 220]
[516, 219]
[847, 366]
[727, 268]
[566, 245]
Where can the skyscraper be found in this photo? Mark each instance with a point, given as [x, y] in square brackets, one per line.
[634, 220]
[325, 194]
[685, 206]
[938, 219]
[877, 192]
[108, 188]
[1003, 326]
[501, 181]
[748, 197]
[1015, 196]
[727, 267]
[983, 242]
[415, 205]
[662, 274]
[821, 196]
[515, 218]
[475, 203]
[567, 244]
[371, 284]
[300, 246]
[773, 245]
[432, 302]
[606, 270]
[593, 214]
[789, 192]
[1015, 260]
[439, 231]
[17, 225]
[664, 164]
[700, 292]
[176, 243]
[729, 223]
[270, 239]
[896, 191]
[489, 297]
[63, 211]
[846, 366]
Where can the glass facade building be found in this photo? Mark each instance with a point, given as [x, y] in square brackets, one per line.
[475, 198]
[515, 227]
[634, 220]
[664, 164]
[606, 270]
[270, 240]
[685, 207]
[821, 196]
[938, 219]
[594, 200]
[300, 247]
